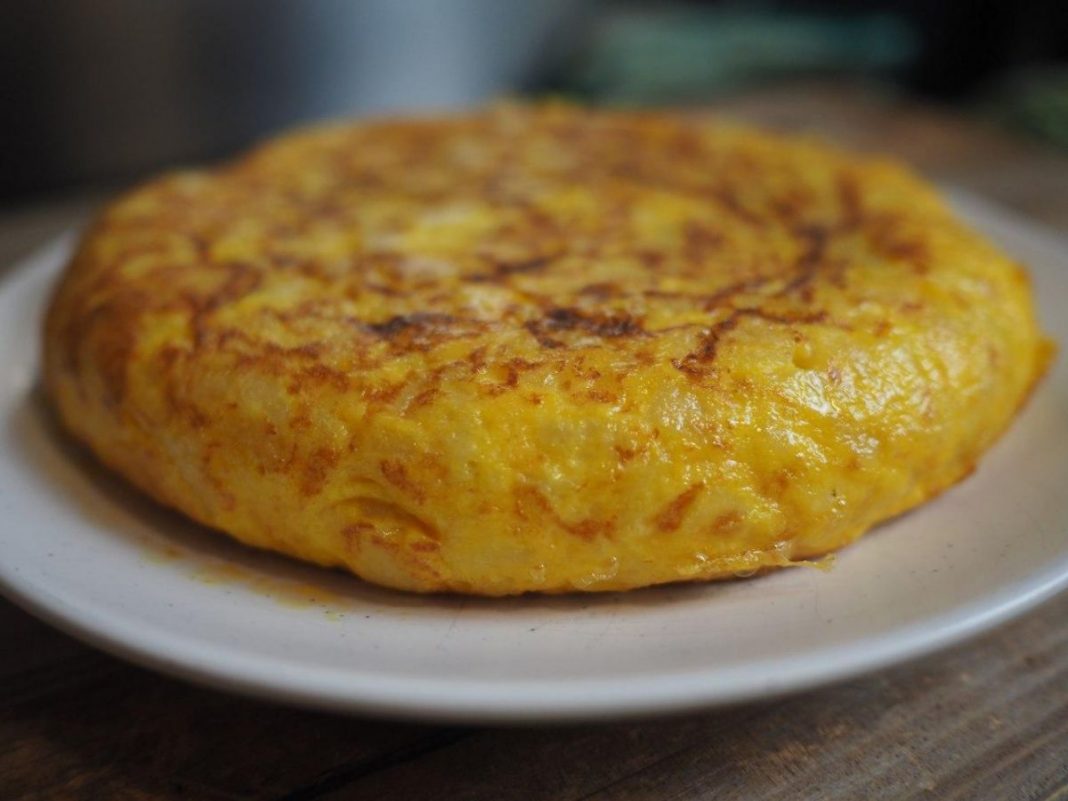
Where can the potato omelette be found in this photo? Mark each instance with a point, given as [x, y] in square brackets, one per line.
[540, 348]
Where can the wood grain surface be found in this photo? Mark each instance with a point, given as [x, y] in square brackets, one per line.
[986, 720]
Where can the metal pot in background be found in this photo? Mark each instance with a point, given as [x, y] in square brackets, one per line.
[106, 90]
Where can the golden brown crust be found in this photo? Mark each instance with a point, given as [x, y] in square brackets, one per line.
[540, 348]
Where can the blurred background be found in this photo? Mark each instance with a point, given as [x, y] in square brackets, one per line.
[102, 93]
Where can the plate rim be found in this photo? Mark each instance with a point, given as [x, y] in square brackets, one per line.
[522, 701]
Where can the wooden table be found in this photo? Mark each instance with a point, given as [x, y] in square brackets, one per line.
[988, 720]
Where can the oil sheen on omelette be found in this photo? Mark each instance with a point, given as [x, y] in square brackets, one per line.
[540, 348]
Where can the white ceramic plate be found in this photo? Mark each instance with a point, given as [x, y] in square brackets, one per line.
[84, 552]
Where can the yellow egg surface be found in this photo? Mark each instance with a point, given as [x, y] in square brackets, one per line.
[540, 348]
